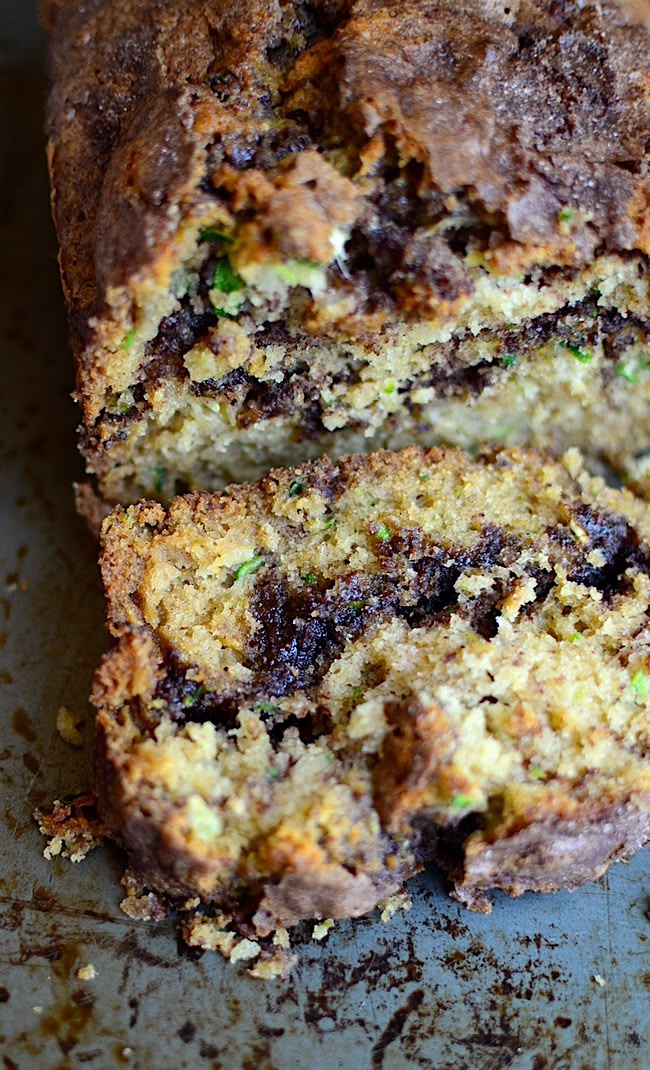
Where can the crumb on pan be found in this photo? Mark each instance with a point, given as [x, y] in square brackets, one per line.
[394, 903]
[322, 928]
[72, 825]
[67, 725]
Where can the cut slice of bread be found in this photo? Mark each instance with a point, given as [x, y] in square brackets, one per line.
[321, 681]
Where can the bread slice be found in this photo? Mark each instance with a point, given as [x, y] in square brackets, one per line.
[290, 228]
[321, 681]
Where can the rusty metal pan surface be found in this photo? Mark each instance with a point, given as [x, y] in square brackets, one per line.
[558, 981]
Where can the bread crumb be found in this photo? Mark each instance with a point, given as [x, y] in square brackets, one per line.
[53, 848]
[474, 584]
[140, 903]
[578, 531]
[215, 941]
[573, 461]
[245, 949]
[148, 907]
[393, 903]
[13, 585]
[191, 904]
[523, 592]
[87, 973]
[599, 980]
[281, 938]
[67, 725]
[71, 825]
[208, 934]
[37, 1010]
[279, 965]
[596, 558]
[321, 929]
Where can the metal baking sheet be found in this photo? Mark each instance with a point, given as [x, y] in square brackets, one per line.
[558, 981]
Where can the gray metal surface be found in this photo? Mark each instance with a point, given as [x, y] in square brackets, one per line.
[436, 988]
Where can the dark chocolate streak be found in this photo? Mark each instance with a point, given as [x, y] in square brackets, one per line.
[190, 702]
[614, 537]
[301, 631]
[255, 400]
[261, 149]
[393, 246]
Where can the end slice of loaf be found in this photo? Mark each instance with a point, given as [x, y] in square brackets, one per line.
[322, 680]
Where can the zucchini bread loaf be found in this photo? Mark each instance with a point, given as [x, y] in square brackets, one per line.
[291, 227]
[320, 681]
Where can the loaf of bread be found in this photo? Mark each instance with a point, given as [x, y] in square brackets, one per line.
[320, 681]
[288, 228]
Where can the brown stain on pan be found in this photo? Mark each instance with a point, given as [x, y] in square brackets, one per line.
[395, 1027]
[32, 764]
[210, 1051]
[71, 1012]
[22, 725]
[67, 1021]
[73, 1018]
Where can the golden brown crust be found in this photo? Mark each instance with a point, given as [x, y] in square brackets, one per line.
[130, 670]
[328, 891]
[107, 60]
[555, 850]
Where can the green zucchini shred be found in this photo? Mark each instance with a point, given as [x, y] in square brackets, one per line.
[247, 568]
[128, 340]
[212, 234]
[225, 279]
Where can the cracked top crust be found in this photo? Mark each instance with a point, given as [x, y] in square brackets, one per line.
[518, 110]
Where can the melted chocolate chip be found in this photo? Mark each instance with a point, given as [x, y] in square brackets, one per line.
[261, 149]
[187, 700]
[177, 334]
[616, 541]
[544, 581]
[264, 400]
[619, 332]
[311, 728]
[301, 632]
